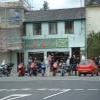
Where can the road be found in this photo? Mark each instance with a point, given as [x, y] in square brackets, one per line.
[50, 89]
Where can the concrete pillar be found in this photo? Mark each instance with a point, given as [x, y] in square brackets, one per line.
[46, 62]
[45, 57]
[70, 52]
[25, 58]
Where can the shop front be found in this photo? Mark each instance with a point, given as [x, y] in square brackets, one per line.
[41, 48]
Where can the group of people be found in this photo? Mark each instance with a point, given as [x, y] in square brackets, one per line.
[97, 60]
[50, 65]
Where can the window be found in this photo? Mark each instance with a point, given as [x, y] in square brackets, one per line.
[69, 27]
[53, 28]
[37, 29]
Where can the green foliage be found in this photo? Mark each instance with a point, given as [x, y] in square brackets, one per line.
[93, 44]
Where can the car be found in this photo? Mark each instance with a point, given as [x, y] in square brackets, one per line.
[87, 67]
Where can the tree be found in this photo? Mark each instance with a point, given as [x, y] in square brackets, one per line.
[93, 44]
[45, 6]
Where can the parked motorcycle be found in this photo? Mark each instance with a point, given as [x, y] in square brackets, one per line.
[21, 70]
[33, 69]
[5, 70]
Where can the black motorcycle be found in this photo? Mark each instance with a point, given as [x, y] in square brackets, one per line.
[5, 70]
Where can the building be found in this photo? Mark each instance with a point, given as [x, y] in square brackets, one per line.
[59, 32]
[11, 31]
[92, 16]
[39, 33]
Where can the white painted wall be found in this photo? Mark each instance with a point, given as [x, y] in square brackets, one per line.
[61, 28]
[78, 38]
[93, 19]
[29, 29]
[4, 56]
[14, 58]
[44, 30]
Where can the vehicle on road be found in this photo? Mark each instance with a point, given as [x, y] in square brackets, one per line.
[87, 67]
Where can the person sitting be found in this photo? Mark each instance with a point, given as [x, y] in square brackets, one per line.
[21, 69]
[33, 69]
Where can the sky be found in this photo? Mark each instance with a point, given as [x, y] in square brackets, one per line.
[54, 4]
[58, 4]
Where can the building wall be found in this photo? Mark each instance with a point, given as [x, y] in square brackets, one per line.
[9, 57]
[4, 56]
[11, 17]
[93, 18]
[77, 39]
[14, 59]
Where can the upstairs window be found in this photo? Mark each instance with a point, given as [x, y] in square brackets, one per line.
[37, 29]
[69, 27]
[53, 28]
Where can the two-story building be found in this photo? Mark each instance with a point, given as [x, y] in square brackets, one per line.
[60, 31]
[92, 16]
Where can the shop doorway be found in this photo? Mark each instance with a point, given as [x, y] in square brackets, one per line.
[36, 55]
[20, 58]
[76, 51]
[59, 55]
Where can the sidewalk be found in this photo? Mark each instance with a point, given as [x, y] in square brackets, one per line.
[27, 78]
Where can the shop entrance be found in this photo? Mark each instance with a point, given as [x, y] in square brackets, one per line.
[38, 55]
[76, 51]
[59, 55]
[20, 58]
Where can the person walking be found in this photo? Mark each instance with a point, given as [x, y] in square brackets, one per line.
[73, 64]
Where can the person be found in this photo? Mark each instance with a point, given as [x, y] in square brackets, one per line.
[63, 68]
[43, 68]
[73, 64]
[28, 65]
[68, 66]
[48, 64]
[82, 57]
[55, 67]
[97, 62]
[33, 69]
[21, 69]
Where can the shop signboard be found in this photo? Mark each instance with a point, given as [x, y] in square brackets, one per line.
[46, 43]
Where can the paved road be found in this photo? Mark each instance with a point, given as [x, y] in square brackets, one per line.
[50, 89]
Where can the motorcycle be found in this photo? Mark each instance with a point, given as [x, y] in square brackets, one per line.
[33, 69]
[5, 70]
[21, 70]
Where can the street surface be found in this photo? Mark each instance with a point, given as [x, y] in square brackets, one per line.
[50, 88]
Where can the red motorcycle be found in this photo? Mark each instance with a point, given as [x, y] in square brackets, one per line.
[55, 67]
[33, 69]
[21, 70]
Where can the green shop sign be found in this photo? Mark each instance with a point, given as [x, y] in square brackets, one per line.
[46, 43]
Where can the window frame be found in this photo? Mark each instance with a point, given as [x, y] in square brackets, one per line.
[69, 27]
[50, 28]
[35, 32]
